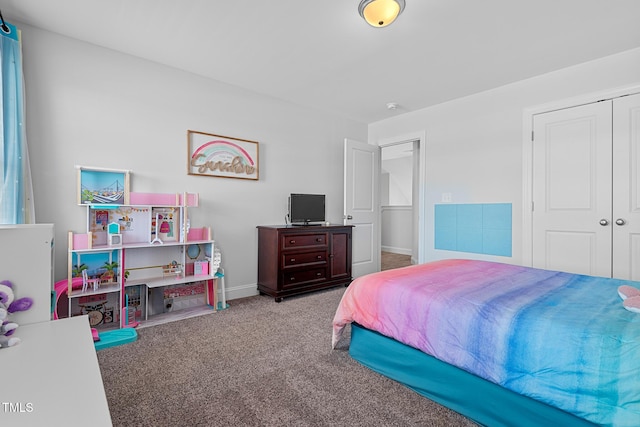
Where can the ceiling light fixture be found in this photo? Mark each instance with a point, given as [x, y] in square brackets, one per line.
[380, 13]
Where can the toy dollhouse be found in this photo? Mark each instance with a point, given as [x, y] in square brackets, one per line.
[143, 257]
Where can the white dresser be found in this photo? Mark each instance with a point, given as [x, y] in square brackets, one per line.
[52, 377]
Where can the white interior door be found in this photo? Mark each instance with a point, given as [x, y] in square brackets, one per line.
[361, 204]
[626, 188]
[572, 198]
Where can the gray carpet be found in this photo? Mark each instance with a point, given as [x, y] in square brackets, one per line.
[258, 363]
[390, 260]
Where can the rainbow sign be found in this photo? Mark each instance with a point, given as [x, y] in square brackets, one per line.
[223, 157]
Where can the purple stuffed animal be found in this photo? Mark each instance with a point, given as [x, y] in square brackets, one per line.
[9, 305]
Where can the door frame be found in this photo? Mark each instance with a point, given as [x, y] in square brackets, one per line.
[527, 154]
[419, 207]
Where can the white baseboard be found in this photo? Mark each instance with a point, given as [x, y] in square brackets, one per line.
[393, 250]
[244, 291]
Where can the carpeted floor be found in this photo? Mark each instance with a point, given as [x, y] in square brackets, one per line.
[258, 363]
[389, 260]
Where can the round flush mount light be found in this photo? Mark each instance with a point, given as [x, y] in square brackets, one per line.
[380, 13]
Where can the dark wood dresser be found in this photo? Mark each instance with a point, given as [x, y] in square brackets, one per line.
[298, 259]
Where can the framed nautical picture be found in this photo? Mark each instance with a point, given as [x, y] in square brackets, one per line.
[98, 186]
[221, 156]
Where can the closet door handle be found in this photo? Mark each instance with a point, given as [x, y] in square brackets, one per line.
[620, 221]
[604, 222]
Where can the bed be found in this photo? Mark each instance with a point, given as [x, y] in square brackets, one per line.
[499, 343]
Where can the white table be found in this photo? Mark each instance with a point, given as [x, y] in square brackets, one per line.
[52, 377]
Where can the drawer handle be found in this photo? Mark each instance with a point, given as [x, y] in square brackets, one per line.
[292, 260]
[319, 256]
[319, 239]
[292, 242]
[292, 279]
[318, 274]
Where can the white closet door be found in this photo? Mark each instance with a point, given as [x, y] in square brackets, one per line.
[626, 188]
[572, 180]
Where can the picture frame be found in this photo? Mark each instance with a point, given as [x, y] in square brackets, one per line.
[222, 156]
[97, 186]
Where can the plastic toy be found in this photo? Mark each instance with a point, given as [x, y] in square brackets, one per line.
[95, 283]
[10, 305]
[626, 291]
[61, 288]
[632, 304]
[630, 298]
[115, 337]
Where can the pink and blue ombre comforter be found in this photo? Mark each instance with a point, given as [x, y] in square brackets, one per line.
[560, 338]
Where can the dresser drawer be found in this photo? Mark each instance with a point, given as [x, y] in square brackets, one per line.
[295, 259]
[296, 278]
[304, 240]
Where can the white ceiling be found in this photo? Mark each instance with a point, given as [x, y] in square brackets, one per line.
[321, 54]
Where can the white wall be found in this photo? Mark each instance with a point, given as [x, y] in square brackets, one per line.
[474, 144]
[95, 107]
[396, 229]
[396, 212]
[400, 176]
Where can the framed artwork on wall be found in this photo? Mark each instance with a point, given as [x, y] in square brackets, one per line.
[102, 186]
[221, 156]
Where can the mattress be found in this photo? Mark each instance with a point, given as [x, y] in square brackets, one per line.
[562, 339]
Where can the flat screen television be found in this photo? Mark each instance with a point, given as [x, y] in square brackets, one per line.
[305, 209]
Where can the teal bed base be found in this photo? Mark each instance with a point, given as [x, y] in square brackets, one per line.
[480, 400]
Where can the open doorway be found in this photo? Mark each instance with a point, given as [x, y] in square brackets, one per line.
[399, 163]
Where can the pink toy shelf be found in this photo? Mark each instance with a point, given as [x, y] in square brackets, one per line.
[164, 199]
[80, 241]
[146, 246]
[196, 234]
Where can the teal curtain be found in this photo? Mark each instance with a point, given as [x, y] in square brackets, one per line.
[16, 192]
